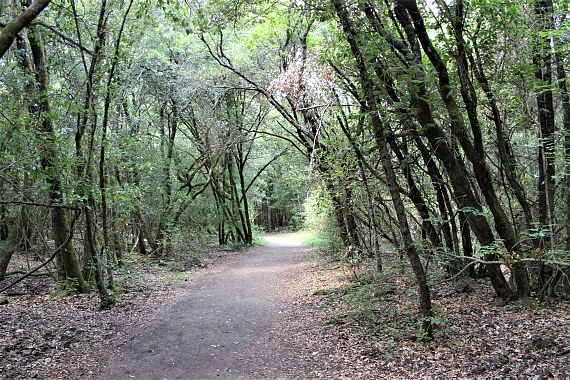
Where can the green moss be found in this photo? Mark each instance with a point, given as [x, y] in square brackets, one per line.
[65, 289]
[179, 276]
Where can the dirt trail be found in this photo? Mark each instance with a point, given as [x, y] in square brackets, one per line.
[229, 325]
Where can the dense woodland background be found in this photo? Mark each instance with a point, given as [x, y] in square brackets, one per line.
[436, 131]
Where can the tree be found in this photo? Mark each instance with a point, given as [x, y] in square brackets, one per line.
[69, 265]
[11, 29]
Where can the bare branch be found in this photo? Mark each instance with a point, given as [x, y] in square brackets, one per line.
[48, 205]
[65, 38]
[50, 258]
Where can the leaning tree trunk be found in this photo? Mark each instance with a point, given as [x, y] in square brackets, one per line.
[8, 245]
[473, 148]
[11, 30]
[246, 222]
[460, 183]
[379, 131]
[370, 209]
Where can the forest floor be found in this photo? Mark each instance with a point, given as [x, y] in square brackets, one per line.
[280, 311]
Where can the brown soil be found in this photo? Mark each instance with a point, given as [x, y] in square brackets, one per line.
[254, 315]
[230, 323]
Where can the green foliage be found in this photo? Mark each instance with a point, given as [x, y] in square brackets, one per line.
[184, 259]
[180, 276]
[65, 288]
[359, 302]
[268, 33]
[169, 78]
[258, 238]
[421, 335]
[319, 219]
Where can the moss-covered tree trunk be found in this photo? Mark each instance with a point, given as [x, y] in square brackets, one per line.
[60, 225]
[10, 31]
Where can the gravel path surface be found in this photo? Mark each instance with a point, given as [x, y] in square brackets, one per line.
[228, 325]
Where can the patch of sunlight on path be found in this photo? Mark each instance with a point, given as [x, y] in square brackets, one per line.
[282, 240]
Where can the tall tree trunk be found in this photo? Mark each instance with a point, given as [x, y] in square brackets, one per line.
[565, 99]
[380, 131]
[503, 225]
[29, 109]
[448, 225]
[337, 209]
[60, 226]
[507, 160]
[168, 136]
[8, 241]
[561, 50]
[371, 210]
[87, 122]
[24, 221]
[244, 201]
[448, 156]
[106, 251]
[542, 60]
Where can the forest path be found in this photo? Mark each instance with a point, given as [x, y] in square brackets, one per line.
[229, 325]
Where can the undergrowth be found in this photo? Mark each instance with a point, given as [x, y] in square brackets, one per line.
[322, 242]
[378, 304]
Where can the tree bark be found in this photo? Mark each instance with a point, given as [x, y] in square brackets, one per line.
[462, 188]
[17, 24]
[379, 131]
[542, 60]
[60, 224]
